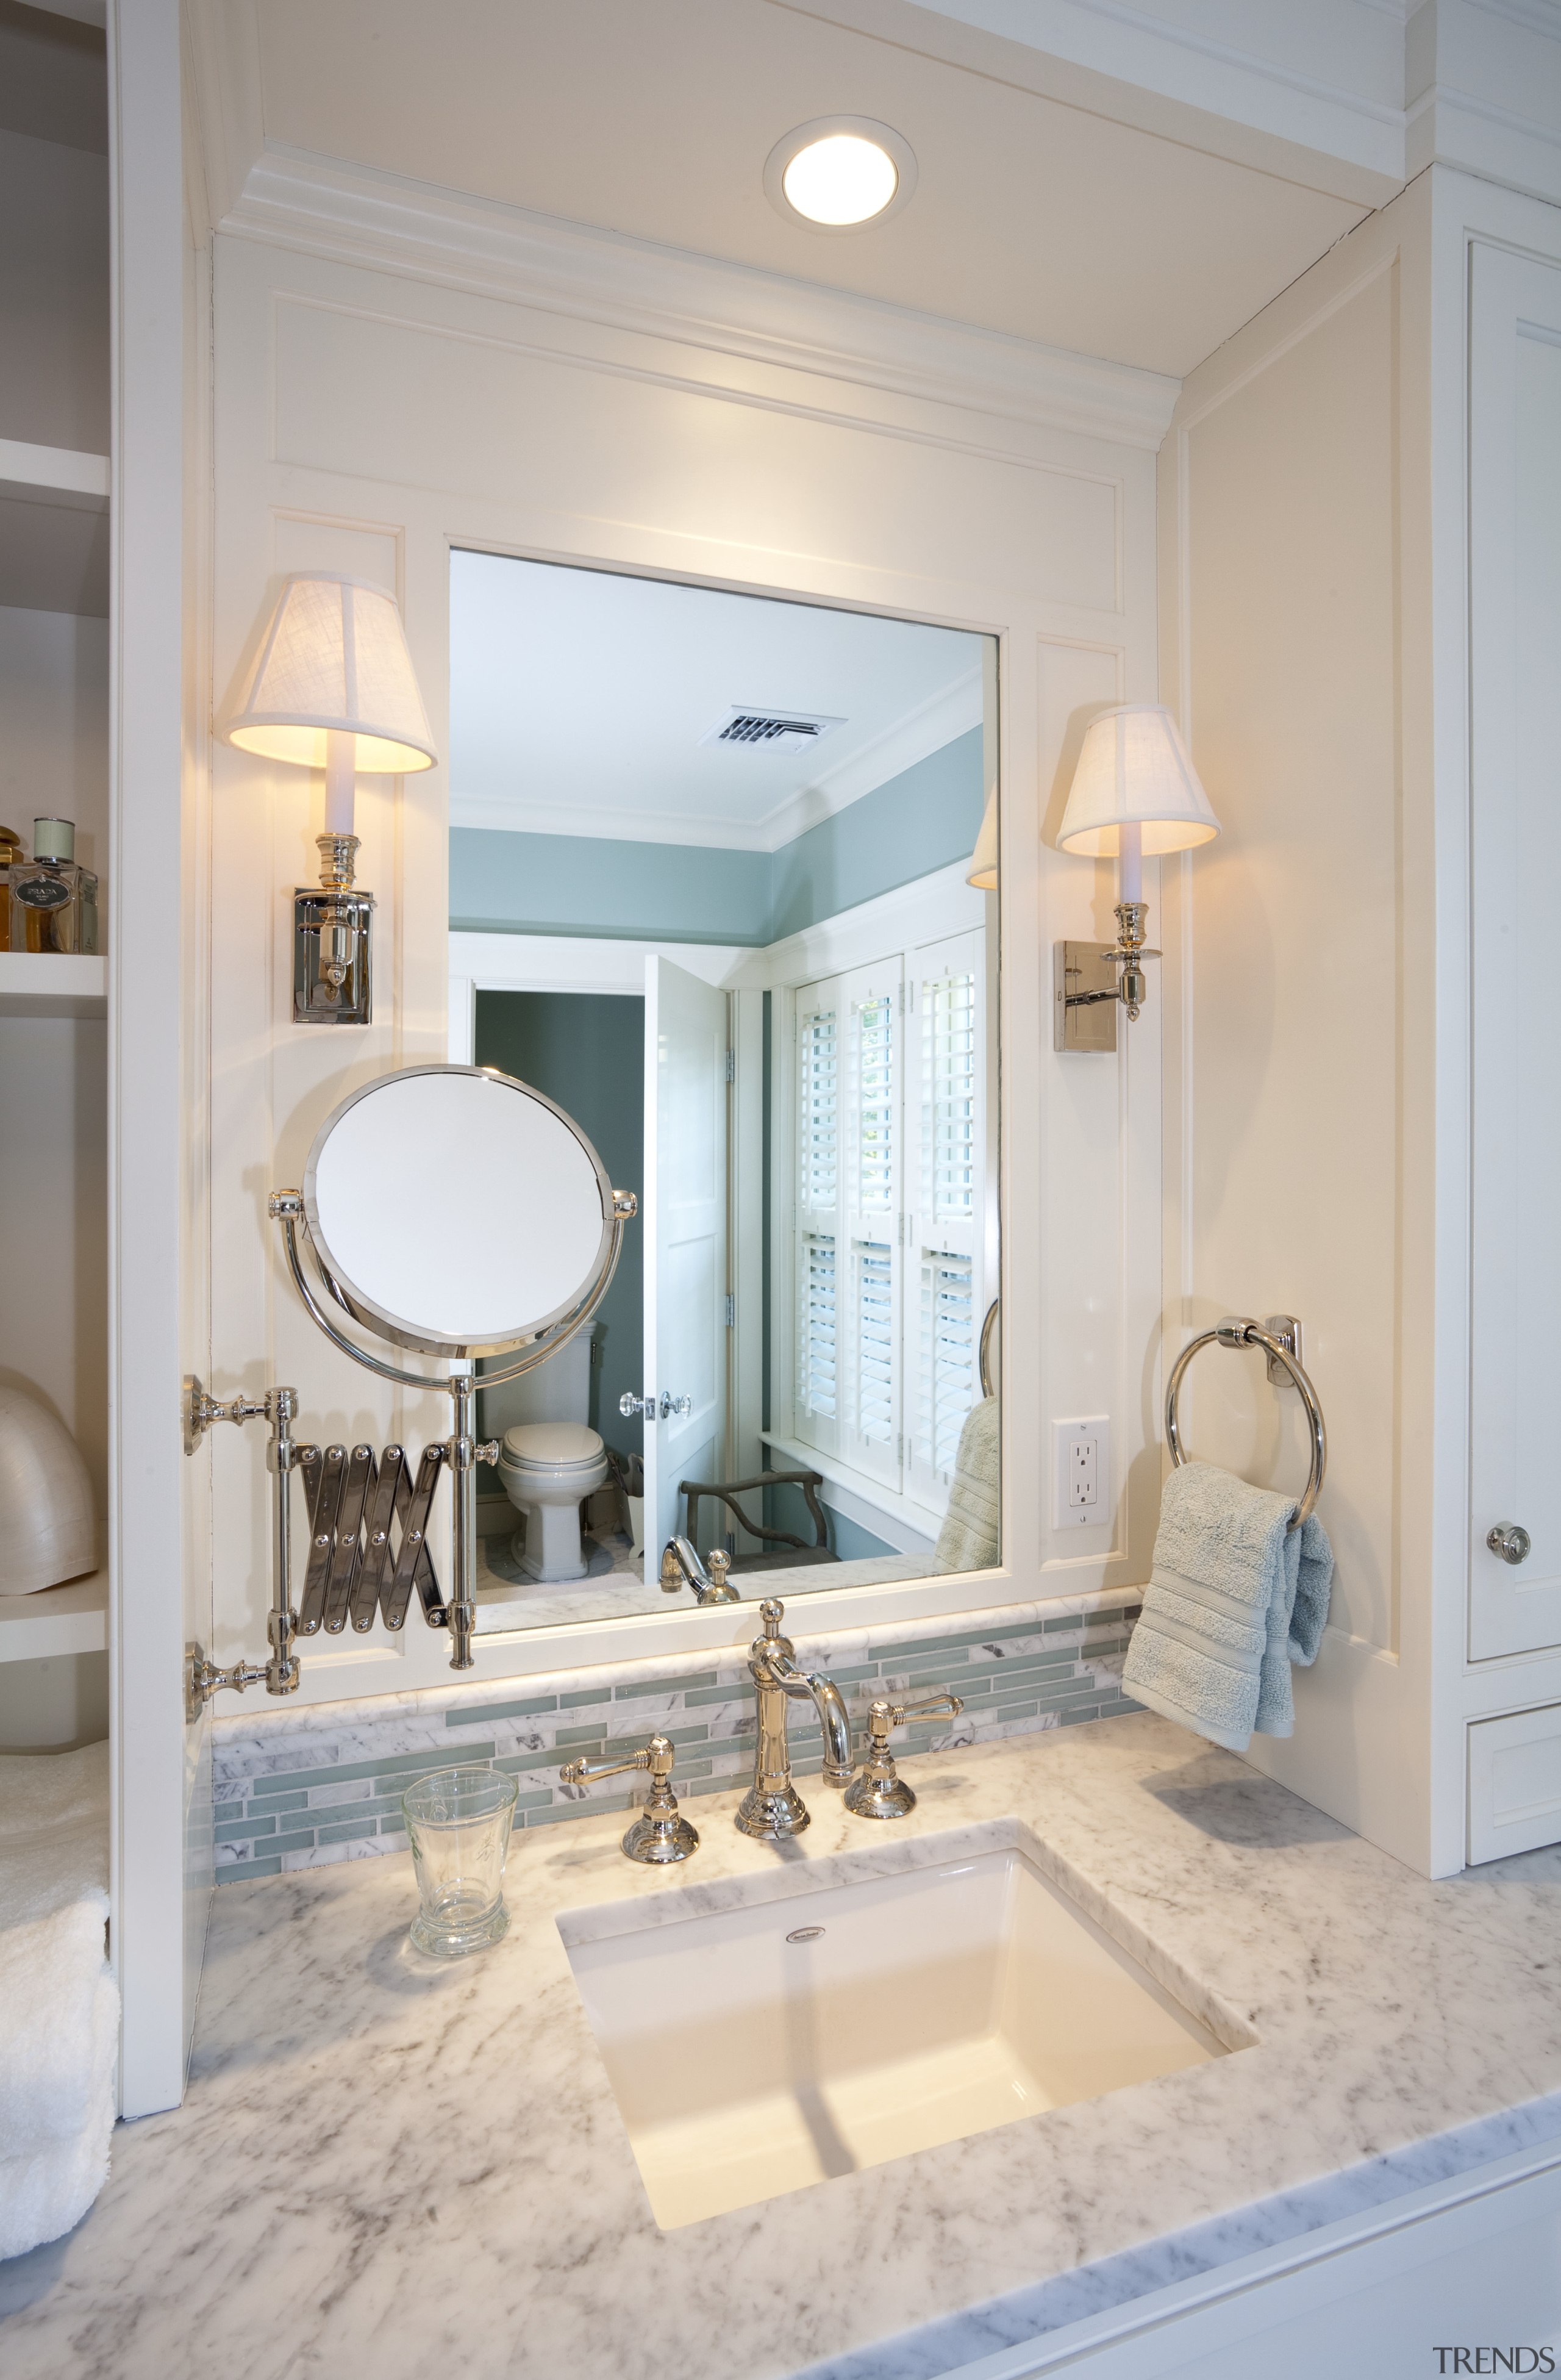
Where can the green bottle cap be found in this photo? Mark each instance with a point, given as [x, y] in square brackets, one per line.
[54, 839]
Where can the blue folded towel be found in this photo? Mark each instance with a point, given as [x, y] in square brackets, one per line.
[1235, 1597]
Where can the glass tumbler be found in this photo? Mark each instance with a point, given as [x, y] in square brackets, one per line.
[458, 1825]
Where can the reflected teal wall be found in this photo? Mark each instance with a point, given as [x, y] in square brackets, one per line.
[923, 819]
[919, 822]
[587, 1050]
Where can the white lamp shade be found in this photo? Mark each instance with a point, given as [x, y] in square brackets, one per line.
[334, 660]
[983, 869]
[1134, 771]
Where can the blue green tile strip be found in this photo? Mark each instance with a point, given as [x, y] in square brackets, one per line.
[310, 1798]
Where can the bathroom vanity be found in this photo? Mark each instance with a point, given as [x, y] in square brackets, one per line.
[390, 2164]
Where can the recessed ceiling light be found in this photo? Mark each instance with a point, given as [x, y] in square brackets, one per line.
[840, 174]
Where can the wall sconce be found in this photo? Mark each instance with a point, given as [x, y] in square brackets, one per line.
[333, 688]
[1135, 797]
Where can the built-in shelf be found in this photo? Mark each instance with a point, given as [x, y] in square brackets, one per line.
[48, 983]
[54, 475]
[70, 1619]
[54, 514]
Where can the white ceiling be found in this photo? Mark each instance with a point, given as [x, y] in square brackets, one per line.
[578, 699]
[1047, 221]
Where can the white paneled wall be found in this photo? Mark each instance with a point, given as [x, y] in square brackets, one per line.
[367, 422]
[1323, 1112]
[1296, 968]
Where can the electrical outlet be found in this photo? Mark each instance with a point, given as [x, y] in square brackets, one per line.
[1081, 1472]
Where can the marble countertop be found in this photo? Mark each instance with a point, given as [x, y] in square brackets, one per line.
[389, 2164]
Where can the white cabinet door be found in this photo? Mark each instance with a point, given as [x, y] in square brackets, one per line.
[1515, 590]
[1514, 1784]
[686, 1256]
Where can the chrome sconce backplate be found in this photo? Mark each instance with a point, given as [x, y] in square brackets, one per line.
[331, 923]
[1085, 996]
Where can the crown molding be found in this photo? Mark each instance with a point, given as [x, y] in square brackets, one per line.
[500, 814]
[389, 224]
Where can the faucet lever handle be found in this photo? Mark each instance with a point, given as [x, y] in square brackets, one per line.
[885, 1717]
[661, 1835]
[878, 1790]
[658, 1756]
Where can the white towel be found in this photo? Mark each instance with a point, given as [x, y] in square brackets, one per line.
[973, 1527]
[59, 2008]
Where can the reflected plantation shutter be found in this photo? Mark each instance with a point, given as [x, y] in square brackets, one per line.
[871, 1435]
[818, 1169]
[887, 1249]
[944, 1327]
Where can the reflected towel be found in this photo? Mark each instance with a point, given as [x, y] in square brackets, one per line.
[970, 1537]
[59, 2008]
[1235, 1598]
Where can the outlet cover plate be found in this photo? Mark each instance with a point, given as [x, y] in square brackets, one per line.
[1070, 1468]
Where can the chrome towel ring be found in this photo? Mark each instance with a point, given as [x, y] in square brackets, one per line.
[986, 1356]
[1237, 1330]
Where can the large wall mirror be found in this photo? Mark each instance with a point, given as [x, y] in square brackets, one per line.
[722, 886]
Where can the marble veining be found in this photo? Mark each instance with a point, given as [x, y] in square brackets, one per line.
[384, 2164]
[312, 1786]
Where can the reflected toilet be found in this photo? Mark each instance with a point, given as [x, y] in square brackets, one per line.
[549, 1458]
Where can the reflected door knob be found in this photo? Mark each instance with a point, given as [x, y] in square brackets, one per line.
[1509, 1541]
[629, 1404]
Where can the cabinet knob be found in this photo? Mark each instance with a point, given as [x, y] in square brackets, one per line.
[1509, 1541]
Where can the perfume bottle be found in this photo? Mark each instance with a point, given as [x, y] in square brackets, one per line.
[11, 857]
[53, 902]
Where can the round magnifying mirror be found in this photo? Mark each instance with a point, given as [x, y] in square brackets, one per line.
[458, 1211]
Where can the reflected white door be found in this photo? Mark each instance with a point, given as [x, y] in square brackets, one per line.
[686, 1258]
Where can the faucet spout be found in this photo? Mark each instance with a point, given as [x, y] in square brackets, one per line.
[772, 1809]
[829, 1703]
[682, 1566]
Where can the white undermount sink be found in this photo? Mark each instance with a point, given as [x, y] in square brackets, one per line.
[787, 2040]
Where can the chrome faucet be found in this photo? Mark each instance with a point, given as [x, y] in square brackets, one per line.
[681, 1566]
[772, 1808]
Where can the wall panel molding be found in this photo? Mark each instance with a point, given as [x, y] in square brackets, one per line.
[325, 209]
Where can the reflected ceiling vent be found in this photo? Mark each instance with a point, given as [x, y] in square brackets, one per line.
[771, 731]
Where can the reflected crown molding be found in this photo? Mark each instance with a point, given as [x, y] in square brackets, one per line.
[294, 199]
[949, 713]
